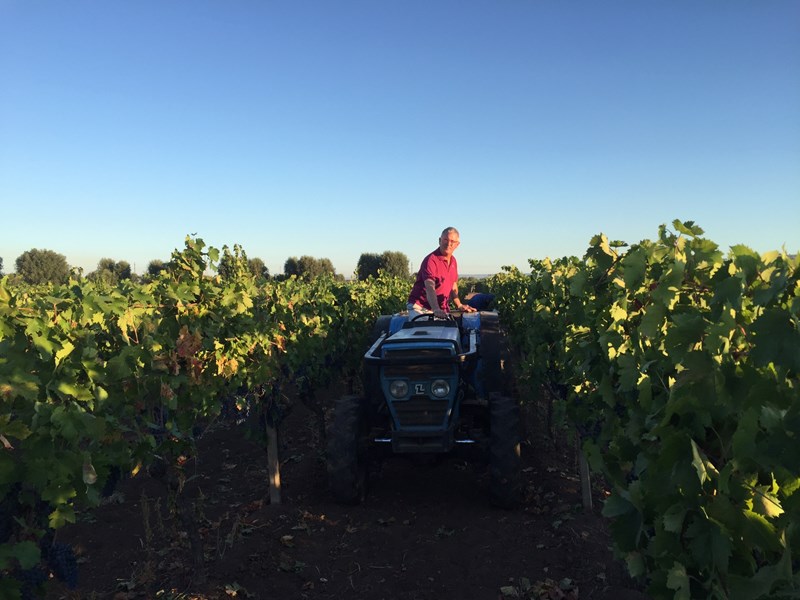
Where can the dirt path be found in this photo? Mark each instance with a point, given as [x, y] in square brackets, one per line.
[424, 532]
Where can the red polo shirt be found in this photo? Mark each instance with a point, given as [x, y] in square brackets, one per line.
[444, 277]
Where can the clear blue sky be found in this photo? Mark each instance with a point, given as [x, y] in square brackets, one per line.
[332, 128]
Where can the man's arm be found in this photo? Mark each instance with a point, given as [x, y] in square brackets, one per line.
[433, 301]
[457, 301]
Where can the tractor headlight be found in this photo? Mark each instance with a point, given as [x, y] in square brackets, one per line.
[440, 388]
[398, 388]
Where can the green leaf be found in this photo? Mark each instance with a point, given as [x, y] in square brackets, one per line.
[669, 285]
[776, 339]
[62, 515]
[652, 323]
[747, 260]
[760, 532]
[764, 581]
[634, 265]
[635, 564]
[628, 372]
[14, 428]
[765, 502]
[78, 392]
[685, 331]
[687, 228]
[700, 463]
[66, 349]
[673, 518]
[46, 347]
[728, 291]
[27, 553]
[615, 505]
[678, 580]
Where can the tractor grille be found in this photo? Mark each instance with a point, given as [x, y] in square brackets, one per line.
[420, 410]
[419, 370]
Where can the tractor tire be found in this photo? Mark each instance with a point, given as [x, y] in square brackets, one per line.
[505, 477]
[382, 325]
[494, 356]
[347, 451]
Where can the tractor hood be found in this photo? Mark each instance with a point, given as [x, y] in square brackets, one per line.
[427, 333]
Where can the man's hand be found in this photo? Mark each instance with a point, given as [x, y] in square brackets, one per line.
[439, 313]
[467, 308]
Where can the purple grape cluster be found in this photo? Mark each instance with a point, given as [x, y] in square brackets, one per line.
[61, 560]
[31, 581]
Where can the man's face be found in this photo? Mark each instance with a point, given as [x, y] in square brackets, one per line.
[448, 243]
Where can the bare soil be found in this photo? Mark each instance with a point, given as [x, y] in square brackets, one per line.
[425, 532]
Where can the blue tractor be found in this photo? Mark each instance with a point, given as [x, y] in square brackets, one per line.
[432, 387]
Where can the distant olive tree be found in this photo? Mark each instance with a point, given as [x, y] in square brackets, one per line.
[258, 268]
[1, 266]
[42, 266]
[154, 267]
[391, 263]
[395, 264]
[308, 267]
[110, 271]
[368, 265]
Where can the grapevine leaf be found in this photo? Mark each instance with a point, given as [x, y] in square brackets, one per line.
[764, 581]
[678, 580]
[728, 291]
[628, 372]
[669, 285]
[766, 503]
[79, 392]
[700, 463]
[635, 265]
[46, 347]
[707, 537]
[653, 321]
[673, 518]
[62, 515]
[747, 260]
[7, 468]
[615, 506]
[686, 331]
[66, 349]
[776, 339]
[27, 553]
[747, 429]
[761, 532]
[509, 591]
[687, 228]
[635, 563]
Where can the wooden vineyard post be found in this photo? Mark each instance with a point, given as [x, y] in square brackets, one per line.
[586, 482]
[273, 463]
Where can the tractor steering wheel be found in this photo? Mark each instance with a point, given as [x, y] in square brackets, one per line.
[430, 317]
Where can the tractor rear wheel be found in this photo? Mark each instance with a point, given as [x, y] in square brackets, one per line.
[347, 451]
[494, 355]
[505, 481]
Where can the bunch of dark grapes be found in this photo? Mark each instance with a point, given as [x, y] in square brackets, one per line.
[61, 560]
[8, 508]
[110, 484]
[31, 581]
[6, 523]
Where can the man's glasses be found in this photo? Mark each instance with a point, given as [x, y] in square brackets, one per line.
[451, 242]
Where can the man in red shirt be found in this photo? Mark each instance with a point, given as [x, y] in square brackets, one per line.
[437, 280]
